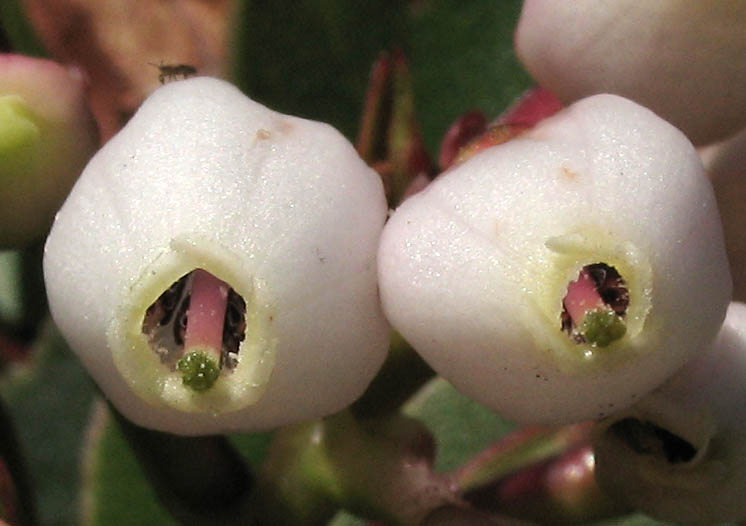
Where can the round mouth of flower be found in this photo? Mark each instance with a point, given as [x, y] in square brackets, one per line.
[595, 306]
[645, 438]
[196, 328]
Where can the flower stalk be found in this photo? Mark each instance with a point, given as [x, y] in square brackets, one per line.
[380, 469]
[389, 138]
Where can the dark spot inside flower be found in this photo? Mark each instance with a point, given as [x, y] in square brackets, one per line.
[645, 438]
[160, 312]
[234, 329]
[610, 286]
[180, 323]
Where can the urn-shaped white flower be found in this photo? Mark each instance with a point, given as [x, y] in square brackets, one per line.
[680, 453]
[565, 274]
[682, 59]
[214, 267]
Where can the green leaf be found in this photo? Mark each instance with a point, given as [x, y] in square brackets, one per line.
[461, 426]
[115, 487]
[117, 490]
[11, 292]
[312, 57]
[253, 446]
[344, 518]
[462, 59]
[20, 33]
[49, 403]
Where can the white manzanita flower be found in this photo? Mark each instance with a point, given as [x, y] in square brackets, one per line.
[680, 453]
[214, 266]
[563, 275]
[725, 163]
[682, 59]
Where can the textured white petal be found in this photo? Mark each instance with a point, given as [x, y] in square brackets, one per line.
[474, 268]
[704, 404]
[682, 59]
[279, 207]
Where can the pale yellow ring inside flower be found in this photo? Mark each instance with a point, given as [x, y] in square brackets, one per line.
[561, 262]
[156, 383]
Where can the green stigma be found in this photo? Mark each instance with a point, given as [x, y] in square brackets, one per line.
[602, 327]
[199, 371]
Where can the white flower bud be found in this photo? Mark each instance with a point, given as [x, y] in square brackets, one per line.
[680, 453]
[682, 59]
[283, 217]
[486, 271]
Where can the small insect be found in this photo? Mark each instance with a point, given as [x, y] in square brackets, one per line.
[173, 71]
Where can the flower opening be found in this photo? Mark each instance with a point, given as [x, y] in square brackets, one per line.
[198, 315]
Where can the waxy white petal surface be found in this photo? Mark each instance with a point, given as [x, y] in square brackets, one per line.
[474, 268]
[279, 207]
[682, 59]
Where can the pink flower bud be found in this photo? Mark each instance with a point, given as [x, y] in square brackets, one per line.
[47, 134]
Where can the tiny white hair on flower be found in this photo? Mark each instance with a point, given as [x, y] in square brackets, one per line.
[215, 265]
[682, 59]
[680, 453]
[565, 274]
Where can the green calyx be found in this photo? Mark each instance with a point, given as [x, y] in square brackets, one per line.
[601, 327]
[199, 371]
[19, 133]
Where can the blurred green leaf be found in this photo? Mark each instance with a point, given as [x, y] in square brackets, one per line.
[253, 446]
[49, 402]
[461, 426]
[462, 59]
[344, 518]
[22, 36]
[116, 491]
[11, 293]
[312, 58]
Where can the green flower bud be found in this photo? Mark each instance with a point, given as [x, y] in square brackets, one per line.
[47, 133]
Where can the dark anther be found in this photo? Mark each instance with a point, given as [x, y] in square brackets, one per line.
[645, 438]
[170, 299]
[234, 328]
[161, 312]
[180, 323]
[610, 286]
